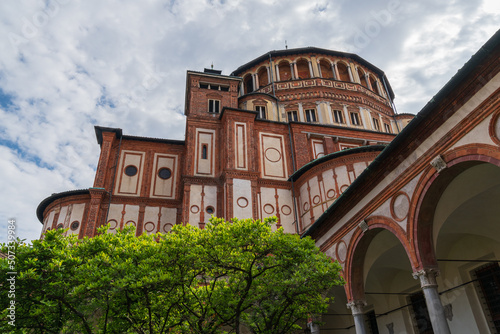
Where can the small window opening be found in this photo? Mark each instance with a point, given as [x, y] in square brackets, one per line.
[204, 151]
[338, 117]
[261, 112]
[213, 106]
[292, 116]
[130, 170]
[387, 128]
[310, 115]
[355, 119]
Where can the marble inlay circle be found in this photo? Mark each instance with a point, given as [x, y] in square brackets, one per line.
[400, 206]
[149, 226]
[273, 154]
[286, 210]
[242, 202]
[268, 208]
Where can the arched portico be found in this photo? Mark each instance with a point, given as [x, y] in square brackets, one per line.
[455, 230]
[378, 272]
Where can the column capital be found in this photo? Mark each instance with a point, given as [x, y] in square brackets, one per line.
[357, 306]
[427, 277]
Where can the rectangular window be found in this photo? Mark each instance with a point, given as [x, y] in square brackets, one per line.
[310, 115]
[213, 106]
[261, 112]
[204, 151]
[355, 119]
[292, 116]
[371, 321]
[387, 128]
[338, 117]
[376, 124]
[488, 279]
[420, 314]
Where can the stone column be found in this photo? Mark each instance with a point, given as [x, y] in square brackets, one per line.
[242, 89]
[277, 73]
[368, 84]
[436, 311]
[318, 66]
[313, 328]
[292, 70]
[357, 307]
[311, 73]
[351, 78]
[334, 70]
[268, 74]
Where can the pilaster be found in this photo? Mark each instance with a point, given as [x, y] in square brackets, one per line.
[96, 197]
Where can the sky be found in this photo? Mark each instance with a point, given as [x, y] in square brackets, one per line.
[68, 65]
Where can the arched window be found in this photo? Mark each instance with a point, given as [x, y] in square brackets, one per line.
[248, 84]
[343, 72]
[373, 83]
[263, 79]
[362, 78]
[303, 69]
[284, 70]
[326, 69]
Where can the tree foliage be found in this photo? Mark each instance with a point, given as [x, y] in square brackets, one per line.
[229, 276]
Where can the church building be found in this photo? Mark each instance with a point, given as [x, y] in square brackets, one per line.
[408, 205]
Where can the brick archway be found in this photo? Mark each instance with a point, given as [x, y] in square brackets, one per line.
[429, 190]
[356, 252]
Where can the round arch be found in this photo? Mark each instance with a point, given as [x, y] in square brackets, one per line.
[362, 77]
[284, 70]
[263, 77]
[430, 189]
[248, 82]
[359, 244]
[325, 66]
[374, 84]
[342, 68]
[303, 68]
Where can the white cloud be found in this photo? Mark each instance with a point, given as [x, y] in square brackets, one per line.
[68, 65]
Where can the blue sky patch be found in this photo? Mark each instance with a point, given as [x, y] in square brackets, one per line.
[6, 100]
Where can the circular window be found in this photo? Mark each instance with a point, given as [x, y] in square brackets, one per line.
[210, 209]
[74, 225]
[165, 173]
[60, 226]
[130, 170]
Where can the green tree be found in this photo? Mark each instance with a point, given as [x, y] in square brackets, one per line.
[229, 276]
